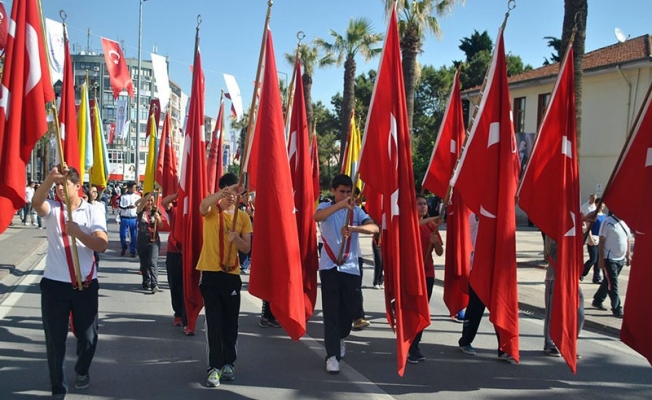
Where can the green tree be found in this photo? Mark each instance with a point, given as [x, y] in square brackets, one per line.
[555, 44]
[327, 128]
[476, 43]
[575, 12]
[416, 19]
[309, 56]
[364, 87]
[357, 39]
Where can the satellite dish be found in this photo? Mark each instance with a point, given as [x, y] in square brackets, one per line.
[620, 35]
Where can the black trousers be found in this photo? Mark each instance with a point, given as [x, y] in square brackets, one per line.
[378, 265]
[58, 301]
[221, 293]
[609, 285]
[339, 300]
[430, 283]
[148, 256]
[359, 312]
[174, 268]
[472, 318]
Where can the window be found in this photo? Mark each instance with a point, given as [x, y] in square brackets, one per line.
[519, 114]
[544, 99]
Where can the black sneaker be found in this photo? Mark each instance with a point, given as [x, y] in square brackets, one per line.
[412, 359]
[618, 313]
[82, 382]
[598, 305]
[419, 355]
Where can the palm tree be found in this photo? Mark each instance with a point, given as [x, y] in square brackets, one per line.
[416, 19]
[309, 56]
[358, 39]
[575, 14]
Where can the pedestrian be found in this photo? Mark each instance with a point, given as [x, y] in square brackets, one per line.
[174, 266]
[549, 346]
[592, 241]
[128, 222]
[61, 299]
[475, 309]
[149, 241]
[613, 253]
[430, 240]
[38, 217]
[92, 200]
[220, 282]
[379, 278]
[340, 278]
[27, 208]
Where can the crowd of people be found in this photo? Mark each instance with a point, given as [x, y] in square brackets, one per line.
[226, 248]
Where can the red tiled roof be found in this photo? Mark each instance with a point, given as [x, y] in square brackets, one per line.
[634, 49]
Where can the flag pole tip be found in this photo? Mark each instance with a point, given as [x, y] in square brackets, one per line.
[270, 3]
[198, 20]
[63, 15]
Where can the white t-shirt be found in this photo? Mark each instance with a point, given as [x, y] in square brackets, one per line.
[126, 200]
[29, 194]
[616, 235]
[90, 220]
[587, 208]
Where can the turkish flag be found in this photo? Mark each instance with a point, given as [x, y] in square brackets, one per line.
[448, 146]
[192, 190]
[68, 114]
[549, 195]
[215, 164]
[155, 110]
[117, 68]
[304, 196]
[486, 178]
[314, 159]
[386, 167]
[4, 27]
[279, 279]
[633, 174]
[111, 132]
[167, 175]
[26, 88]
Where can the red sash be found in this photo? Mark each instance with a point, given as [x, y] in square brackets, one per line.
[66, 246]
[347, 247]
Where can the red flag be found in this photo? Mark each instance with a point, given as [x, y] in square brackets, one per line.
[486, 178]
[552, 179]
[117, 68]
[4, 27]
[386, 166]
[26, 87]
[633, 174]
[314, 159]
[192, 190]
[68, 114]
[155, 110]
[458, 236]
[280, 282]
[111, 132]
[167, 176]
[304, 197]
[215, 168]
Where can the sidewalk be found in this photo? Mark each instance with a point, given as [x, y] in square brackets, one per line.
[22, 247]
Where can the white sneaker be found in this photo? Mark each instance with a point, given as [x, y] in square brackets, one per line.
[342, 348]
[332, 365]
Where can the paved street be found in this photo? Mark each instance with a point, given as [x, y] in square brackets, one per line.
[142, 356]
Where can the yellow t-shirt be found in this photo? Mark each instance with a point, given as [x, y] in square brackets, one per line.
[211, 258]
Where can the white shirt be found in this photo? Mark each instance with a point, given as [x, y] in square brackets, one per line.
[616, 235]
[126, 200]
[90, 220]
[29, 194]
[587, 208]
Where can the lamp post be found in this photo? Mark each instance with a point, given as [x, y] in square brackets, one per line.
[140, 40]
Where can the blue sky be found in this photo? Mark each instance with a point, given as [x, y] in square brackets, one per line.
[231, 32]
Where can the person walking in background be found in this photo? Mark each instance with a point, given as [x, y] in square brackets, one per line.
[128, 222]
[430, 240]
[592, 241]
[174, 266]
[149, 241]
[378, 262]
[613, 253]
[61, 299]
[27, 208]
[92, 200]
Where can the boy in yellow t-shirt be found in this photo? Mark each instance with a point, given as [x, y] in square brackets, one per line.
[220, 282]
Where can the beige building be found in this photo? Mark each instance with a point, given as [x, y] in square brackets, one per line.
[616, 79]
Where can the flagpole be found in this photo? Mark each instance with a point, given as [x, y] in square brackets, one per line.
[53, 108]
[250, 124]
[290, 94]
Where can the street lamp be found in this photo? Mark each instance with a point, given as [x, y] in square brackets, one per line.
[140, 40]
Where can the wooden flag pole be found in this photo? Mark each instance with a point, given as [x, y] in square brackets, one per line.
[53, 109]
[250, 125]
[352, 202]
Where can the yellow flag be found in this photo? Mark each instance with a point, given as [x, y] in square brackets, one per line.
[84, 132]
[352, 152]
[100, 170]
[150, 167]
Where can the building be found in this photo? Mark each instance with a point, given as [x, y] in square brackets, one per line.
[615, 81]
